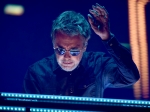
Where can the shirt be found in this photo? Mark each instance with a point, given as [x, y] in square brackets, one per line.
[95, 72]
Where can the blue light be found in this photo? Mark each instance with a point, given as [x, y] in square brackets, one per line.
[54, 97]
[12, 108]
[97, 99]
[76, 98]
[53, 110]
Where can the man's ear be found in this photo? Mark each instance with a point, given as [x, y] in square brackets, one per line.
[85, 46]
[86, 43]
[84, 49]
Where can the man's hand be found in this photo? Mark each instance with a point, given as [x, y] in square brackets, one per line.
[100, 22]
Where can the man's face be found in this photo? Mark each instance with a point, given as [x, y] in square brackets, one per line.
[66, 61]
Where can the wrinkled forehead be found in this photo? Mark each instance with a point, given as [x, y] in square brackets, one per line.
[68, 41]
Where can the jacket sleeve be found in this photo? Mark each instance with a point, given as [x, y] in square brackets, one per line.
[119, 70]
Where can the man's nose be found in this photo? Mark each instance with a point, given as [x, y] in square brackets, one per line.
[67, 54]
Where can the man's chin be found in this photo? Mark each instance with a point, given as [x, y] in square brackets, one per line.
[68, 69]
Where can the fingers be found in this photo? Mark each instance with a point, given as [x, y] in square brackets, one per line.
[102, 8]
[94, 13]
[99, 20]
[98, 17]
[99, 10]
[90, 19]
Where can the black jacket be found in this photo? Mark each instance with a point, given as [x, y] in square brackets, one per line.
[95, 72]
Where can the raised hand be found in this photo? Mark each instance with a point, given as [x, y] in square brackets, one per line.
[99, 21]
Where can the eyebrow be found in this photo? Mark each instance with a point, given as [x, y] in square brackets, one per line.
[59, 46]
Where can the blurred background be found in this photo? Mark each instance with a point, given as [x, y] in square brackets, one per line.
[25, 27]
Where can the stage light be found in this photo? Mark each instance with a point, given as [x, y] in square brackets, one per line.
[54, 110]
[12, 108]
[139, 45]
[14, 9]
[71, 98]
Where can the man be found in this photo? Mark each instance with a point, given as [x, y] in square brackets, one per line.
[72, 71]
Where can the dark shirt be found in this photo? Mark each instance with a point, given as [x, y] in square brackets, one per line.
[95, 72]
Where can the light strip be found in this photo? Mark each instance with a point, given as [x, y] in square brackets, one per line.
[139, 47]
[54, 110]
[12, 108]
[133, 34]
[71, 98]
[143, 47]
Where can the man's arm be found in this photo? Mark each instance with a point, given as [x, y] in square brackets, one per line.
[120, 70]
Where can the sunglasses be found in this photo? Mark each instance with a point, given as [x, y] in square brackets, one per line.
[61, 51]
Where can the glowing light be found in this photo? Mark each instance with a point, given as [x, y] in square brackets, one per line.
[133, 34]
[71, 98]
[13, 9]
[143, 47]
[139, 46]
[12, 108]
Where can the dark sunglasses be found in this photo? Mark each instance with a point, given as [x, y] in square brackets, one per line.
[61, 51]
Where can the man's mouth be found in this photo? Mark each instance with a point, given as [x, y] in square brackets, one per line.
[67, 63]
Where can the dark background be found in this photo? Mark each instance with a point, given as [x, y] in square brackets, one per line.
[26, 39]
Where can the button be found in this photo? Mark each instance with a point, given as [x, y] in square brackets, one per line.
[84, 86]
[70, 74]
